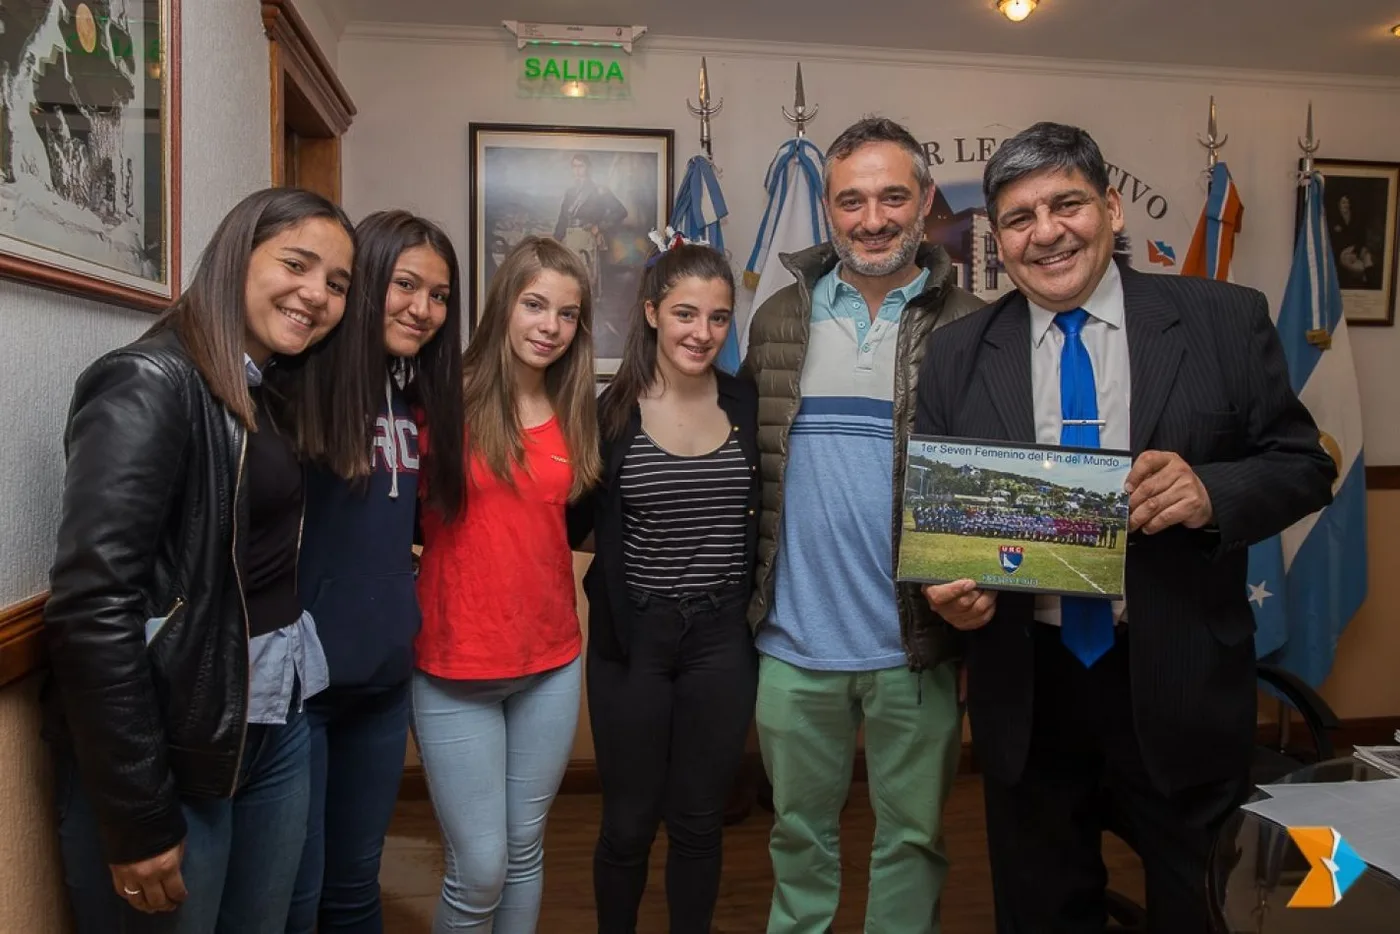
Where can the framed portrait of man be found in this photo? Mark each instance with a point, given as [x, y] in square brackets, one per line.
[90, 148]
[599, 191]
[1360, 203]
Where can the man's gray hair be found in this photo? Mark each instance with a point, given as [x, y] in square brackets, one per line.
[1052, 146]
[1046, 147]
[877, 130]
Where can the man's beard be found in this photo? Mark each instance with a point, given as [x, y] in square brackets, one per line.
[905, 249]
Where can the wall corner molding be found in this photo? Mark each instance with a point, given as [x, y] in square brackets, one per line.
[21, 643]
[301, 56]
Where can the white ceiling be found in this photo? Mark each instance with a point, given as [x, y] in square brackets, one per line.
[1329, 36]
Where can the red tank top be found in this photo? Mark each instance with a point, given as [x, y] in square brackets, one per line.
[496, 586]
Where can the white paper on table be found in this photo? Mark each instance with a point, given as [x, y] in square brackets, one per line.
[1366, 814]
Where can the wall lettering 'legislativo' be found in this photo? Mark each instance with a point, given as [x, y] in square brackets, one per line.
[976, 149]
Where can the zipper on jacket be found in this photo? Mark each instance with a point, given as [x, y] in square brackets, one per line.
[804, 293]
[247, 628]
[904, 422]
[301, 526]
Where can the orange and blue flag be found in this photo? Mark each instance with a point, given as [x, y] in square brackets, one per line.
[1213, 244]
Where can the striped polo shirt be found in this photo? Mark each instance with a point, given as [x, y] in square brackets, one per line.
[834, 596]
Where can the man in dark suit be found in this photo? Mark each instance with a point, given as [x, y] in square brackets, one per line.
[1135, 716]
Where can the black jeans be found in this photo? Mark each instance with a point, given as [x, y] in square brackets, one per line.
[669, 726]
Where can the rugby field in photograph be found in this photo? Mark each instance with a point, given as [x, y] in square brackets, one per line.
[1047, 566]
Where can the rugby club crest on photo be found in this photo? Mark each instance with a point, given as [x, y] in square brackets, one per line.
[1011, 556]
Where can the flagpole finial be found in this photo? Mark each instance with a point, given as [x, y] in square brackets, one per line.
[706, 110]
[1213, 141]
[1309, 145]
[800, 115]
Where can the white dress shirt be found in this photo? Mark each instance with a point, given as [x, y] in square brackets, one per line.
[1105, 337]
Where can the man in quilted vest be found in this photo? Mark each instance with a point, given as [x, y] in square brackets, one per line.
[836, 357]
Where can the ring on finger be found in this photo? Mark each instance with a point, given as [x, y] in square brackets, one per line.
[130, 893]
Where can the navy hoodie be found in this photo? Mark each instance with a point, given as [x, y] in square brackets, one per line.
[356, 566]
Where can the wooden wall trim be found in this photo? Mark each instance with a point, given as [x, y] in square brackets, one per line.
[304, 61]
[1383, 477]
[21, 648]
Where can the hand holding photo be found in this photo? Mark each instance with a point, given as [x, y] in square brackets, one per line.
[1030, 518]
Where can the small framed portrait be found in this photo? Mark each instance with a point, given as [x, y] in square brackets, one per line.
[90, 148]
[598, 191]
[1360, 203]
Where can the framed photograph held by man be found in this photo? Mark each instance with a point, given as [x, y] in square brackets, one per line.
[1029, 518]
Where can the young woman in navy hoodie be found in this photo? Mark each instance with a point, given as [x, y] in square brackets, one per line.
[395, 366]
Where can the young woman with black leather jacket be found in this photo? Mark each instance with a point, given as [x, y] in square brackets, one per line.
[179, 650]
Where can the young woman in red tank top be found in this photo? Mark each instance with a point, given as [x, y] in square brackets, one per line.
[496, 692]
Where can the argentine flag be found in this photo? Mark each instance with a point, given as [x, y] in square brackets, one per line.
[1306, 584]
[794, 220]
[696, 214]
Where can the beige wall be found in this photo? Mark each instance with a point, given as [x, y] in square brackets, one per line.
[1363, 681]
[31, 887]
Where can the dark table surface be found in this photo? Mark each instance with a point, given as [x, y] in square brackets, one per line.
[1256, 867]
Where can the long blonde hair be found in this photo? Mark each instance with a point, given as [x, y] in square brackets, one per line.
[493, 423]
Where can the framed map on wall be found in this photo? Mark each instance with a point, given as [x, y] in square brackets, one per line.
[90, 147]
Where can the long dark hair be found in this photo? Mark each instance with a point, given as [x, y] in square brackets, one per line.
[488, 366]
[336, 390]
[211, 315]
[637, 372]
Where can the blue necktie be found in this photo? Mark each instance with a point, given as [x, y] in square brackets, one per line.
[1086, 624]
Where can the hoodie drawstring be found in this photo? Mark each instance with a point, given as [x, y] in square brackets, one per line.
[394, 459]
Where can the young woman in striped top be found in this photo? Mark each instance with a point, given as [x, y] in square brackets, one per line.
[671, 665]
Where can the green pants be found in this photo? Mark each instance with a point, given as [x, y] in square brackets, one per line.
[807, 722]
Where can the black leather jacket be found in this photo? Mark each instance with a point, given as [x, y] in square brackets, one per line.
[151, 523]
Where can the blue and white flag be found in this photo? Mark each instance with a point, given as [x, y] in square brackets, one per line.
[794, 219]
[698, 210]
[1306, 584]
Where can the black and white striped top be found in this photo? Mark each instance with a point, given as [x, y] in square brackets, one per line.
[684, 519]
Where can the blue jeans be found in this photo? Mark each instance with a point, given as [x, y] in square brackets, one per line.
[241, 853]
[358, 740]
[494, 753]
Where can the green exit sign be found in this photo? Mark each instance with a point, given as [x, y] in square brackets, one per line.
[592, 70]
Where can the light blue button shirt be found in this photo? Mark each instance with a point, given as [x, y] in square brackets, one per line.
[278, 659]
[836, 299]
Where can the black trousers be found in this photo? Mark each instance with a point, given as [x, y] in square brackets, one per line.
[1085, 775]
[669, 726]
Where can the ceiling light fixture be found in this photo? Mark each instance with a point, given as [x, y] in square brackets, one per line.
[1395, 30]
[1016, 10]
[615, 37]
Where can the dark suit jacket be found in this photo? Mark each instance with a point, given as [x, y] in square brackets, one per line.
[1209, 382]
